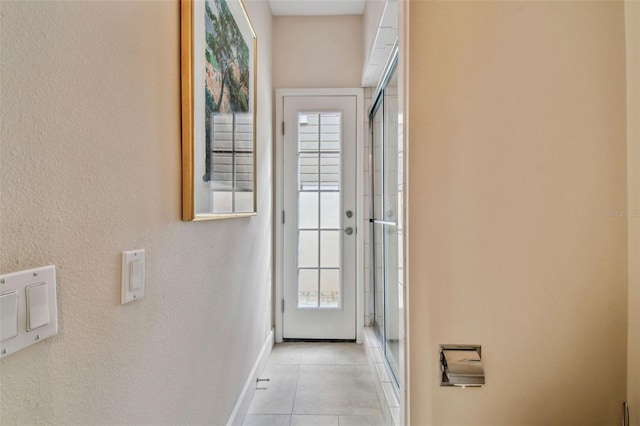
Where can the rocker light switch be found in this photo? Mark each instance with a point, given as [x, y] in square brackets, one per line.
[9, 312]
[37, 306]
[28, 309]
[133, 279]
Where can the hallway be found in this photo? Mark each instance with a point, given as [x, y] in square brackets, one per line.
[513, 206]
[316, 384]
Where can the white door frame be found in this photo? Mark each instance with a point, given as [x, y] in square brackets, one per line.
[279, 201]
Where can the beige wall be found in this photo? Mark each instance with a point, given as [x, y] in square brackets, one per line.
[317, 51]
[517, 149]
[632, 16]
[90, 166]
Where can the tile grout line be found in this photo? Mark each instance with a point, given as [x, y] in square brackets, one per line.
[295, 392]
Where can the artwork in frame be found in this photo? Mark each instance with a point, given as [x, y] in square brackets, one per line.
[218, 53]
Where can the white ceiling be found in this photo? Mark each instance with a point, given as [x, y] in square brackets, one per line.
[317, 7]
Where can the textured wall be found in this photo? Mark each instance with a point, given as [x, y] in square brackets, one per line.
[90, 166]
[517, 149]
[317, 51]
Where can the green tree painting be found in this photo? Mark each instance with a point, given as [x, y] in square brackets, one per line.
[227, 61]
[227, 70]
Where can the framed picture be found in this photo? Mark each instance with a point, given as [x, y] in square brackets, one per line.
[218, 54]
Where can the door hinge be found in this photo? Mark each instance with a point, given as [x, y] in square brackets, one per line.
[282, 216]
[283, 127]
[283, 305]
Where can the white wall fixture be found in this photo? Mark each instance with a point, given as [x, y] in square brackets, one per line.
[28, 308]
[133, 275]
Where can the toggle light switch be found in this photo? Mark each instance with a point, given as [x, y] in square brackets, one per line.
[9, 312]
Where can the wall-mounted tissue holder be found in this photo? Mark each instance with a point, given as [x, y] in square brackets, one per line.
[461, 365]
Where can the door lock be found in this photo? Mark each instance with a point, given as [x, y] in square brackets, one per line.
[348, 230]
[349, 214]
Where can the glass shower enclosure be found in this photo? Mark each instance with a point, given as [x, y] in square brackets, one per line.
[386, 214]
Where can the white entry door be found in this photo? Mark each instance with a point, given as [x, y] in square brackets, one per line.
[320, 217]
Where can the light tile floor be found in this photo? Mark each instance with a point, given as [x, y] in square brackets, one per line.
[316, 384]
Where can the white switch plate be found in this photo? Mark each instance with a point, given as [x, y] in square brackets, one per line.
[44, 307]
[133, 275]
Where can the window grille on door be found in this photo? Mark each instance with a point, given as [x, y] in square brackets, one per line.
[319, 225]
[230, 162]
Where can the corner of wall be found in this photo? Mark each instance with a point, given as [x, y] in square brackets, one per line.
[632, 25]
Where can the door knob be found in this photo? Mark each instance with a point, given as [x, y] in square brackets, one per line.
[348, 230]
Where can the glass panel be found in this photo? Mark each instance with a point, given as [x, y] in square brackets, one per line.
[319, 139]
[307, 249]
[308, 288]
[228, 166]
[222, 201]
[331, 132]
[330, 210]
[386, 205]
[308, 133]
[222, 150]
[378, 279]
[244, 171]
[330, 249]
[392, 314]
[308, 210]
[377, 284]
[377, 164]
[244, 202]
[222, 172]
[308, 171]
[392, 188]
[330, 171]
[330, 288]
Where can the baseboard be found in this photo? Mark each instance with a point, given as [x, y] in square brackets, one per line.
[249, 389]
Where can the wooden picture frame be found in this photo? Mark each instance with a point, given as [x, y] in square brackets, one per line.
[218, 84]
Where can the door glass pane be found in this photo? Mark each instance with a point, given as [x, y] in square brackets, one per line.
[308, 288]
[308, 133]
[319, 179]
[330, 249]
[330, 288]
[308, 171]
[330, 171]
[308, 249]
[330, 214]
[308, 210]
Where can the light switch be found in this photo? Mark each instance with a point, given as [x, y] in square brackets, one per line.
[37, 306]
[133, 279]
[9, 312]
[29, 311]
